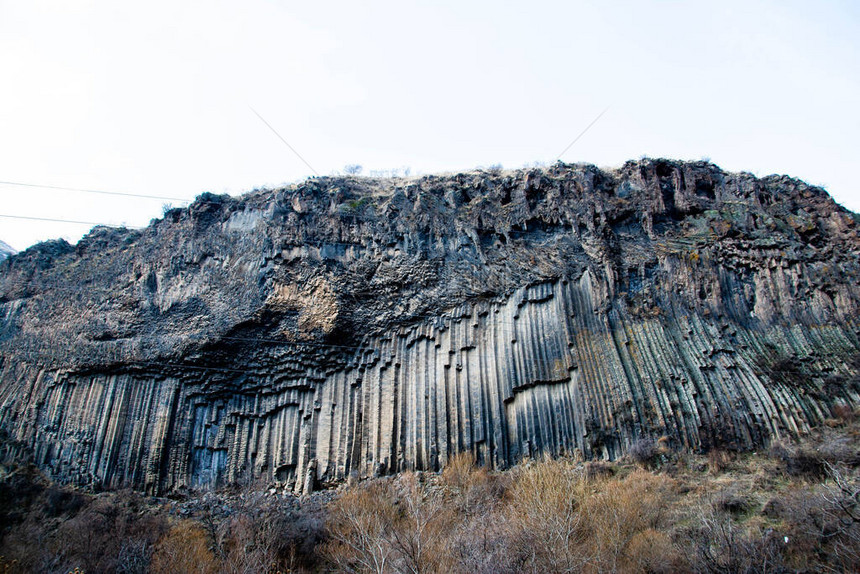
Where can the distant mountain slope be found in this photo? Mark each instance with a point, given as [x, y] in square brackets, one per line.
[350, 324]
[5, 251]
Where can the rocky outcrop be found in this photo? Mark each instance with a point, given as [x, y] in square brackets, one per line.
[351, 325]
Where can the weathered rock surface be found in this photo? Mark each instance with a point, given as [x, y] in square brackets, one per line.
[357, 325]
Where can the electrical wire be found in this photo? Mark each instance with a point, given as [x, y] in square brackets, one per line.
[98, 191]
[32, 218]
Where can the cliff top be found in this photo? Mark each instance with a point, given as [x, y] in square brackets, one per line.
[334, 256]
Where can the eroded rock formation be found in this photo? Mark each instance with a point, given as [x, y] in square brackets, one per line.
[356, 325]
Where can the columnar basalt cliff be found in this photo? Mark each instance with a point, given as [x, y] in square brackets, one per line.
[353, 325]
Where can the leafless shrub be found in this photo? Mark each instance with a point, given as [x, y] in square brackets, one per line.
[810, 459]
[114, 531]
[817, 534]
[8, 566]
[718, 545]
[184, 550]
[489, 544]
[462, 473]
[29, 547]
[248, 545]
[841, 506]
[257, 531]
[644, 452]
[134, 556]
[837, 448]
[799, 514]
[387, 525]
[21, 483]
[359, 528]
[546, 505]
[802, 461]
[679, 463]
[619, 512]
[779, 450]
[473, 487]
[651, 551]
[543, 516]
[298, 533]
[62, 530]
[460, 470]
[420, 527]
[571, 523]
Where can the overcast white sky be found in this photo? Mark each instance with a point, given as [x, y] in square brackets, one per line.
[155, 97]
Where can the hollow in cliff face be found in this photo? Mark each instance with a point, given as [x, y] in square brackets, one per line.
[371, 326]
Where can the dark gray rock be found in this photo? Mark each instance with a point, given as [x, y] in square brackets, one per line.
[354, 325]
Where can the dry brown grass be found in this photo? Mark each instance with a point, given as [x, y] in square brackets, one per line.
[462, 474]
[619, 513]
[719, 460]
[719, 512]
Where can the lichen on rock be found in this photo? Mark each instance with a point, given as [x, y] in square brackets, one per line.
[316, 305]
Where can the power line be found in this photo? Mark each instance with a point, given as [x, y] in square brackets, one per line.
[31, 218]
[582, 133]
[292, 149]
[355, 216]
[101, 192]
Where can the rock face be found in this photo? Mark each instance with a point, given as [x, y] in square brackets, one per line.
[352, 325]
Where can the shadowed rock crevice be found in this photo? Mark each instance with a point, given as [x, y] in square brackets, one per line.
[350, 324]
